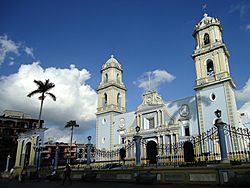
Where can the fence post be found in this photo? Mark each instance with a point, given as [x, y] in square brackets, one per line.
[137, 139]
[88, 151]
[56, 155]
[220, 125]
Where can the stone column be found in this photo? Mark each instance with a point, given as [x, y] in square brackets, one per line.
[18, 153]
[164, 144]
[158, 118]
[162, 116]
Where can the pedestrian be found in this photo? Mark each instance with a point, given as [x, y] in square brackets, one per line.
[67, 173]
[51, 175]
[22, 175]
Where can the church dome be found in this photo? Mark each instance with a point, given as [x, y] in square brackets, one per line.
[207, 21]
[112, 63]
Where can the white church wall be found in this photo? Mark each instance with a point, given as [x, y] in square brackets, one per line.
[122, 122]
[174, 109]
[103, 131]
[209, 106]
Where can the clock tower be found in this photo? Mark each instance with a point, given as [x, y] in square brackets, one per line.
[214, 86]
[111, 101]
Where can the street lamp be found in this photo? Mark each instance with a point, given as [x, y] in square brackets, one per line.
[137, 129]
[38, 148]
[89, 138]
[217, 113]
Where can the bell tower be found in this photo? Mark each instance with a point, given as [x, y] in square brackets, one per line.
[214, 86]
[111, 101]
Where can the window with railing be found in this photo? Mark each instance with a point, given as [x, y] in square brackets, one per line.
[210, 67]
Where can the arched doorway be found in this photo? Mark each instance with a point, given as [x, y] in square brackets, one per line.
[151, 149]
[188, 152]
[27, 154]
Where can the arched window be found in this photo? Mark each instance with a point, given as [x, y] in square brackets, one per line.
[105, 99]
[106, 78]
[206, 39]
[119, 99]
[118, 77]
[210, 67]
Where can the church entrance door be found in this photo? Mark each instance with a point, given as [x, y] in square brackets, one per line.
[188, 152]
[151, 149]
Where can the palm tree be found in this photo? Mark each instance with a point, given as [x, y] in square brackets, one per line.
[43, 88]
[71, 124]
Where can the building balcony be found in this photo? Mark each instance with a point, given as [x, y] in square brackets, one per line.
[213, 79]
[111, 108]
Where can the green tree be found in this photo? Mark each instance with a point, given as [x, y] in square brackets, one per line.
[71, 124]
[43, 89]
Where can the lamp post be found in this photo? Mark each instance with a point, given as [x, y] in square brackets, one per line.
[56, 155]
[38, 149]
[88, 151]
[220, 125]
[7, 163]
[137, 139]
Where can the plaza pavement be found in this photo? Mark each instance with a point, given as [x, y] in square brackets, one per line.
[81, 184]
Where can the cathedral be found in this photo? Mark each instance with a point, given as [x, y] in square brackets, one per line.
[163, 122]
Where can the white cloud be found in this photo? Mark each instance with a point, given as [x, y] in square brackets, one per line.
[29, 51]
[241, 7]
[7, 46]
[151, 80]
[248, 27]
[58, 135]
[244, 95]
[76, 100]
[11, 63]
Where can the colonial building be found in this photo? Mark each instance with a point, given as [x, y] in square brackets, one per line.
[13, 123]
[77, 154]
[167, 122]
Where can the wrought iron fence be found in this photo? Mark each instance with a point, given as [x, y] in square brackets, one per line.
[199, 150]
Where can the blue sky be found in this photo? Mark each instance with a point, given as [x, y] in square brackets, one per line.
[143, 35]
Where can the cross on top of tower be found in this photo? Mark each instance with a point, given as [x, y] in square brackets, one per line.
[149, 83]
[204, 7]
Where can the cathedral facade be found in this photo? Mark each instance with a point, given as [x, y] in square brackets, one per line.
[161, 122]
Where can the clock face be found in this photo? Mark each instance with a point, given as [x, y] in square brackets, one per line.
[149, 100]
[184, 110]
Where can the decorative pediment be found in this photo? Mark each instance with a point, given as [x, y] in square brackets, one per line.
[150, 98]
